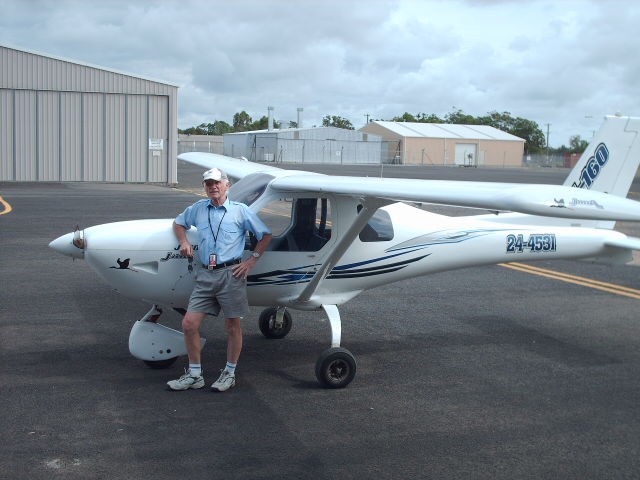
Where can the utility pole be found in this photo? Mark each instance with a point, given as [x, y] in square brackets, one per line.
[548, 143]
[367, 117]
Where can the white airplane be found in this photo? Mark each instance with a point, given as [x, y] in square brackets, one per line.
[337, 236]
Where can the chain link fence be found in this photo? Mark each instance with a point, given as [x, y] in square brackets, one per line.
[550, 160]
[200, 143]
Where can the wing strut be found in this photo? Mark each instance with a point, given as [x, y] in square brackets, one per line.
[369, 207]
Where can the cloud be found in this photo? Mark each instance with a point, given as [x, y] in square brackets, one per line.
[548, 61]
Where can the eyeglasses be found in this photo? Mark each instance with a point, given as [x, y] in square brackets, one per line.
[190, 266]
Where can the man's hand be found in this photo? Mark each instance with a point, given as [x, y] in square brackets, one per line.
[186, 249]
[242, 269]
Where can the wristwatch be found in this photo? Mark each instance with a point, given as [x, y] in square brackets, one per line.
[255, 255]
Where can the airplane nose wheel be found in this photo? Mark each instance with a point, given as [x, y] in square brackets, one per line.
[336, 368]
[160, 364]
[275, 322]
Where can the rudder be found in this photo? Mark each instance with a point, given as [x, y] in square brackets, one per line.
[611, 160]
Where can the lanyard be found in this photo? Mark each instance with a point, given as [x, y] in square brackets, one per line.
[215, 235]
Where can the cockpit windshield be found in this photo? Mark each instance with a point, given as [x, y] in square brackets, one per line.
[249, 189]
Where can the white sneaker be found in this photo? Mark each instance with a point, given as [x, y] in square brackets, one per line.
[225, 382]
[186, 381]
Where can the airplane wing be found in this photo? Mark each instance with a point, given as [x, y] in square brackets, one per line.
[546, 200]
[234, 167]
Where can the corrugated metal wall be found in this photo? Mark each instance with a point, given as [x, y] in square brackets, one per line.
[61, 121]
[25, 165]
[313, 145]
[115, 129]
[330, 151]
[6, 134]
[70, 136]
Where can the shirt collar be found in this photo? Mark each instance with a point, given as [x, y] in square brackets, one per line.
[225, 205]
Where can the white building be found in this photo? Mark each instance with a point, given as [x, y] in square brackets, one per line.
[305, 145]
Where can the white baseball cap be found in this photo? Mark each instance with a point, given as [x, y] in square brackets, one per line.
[214, 174]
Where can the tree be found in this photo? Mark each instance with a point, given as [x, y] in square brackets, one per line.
[220, 128]
[460, 118]
[535, 140]
[577, 144]
[526, 129]
[502, 121]
[199, 130]
[335, 121]
[263, 124]
[241, 122]
[418, 118]
[431, 118]
[405, 117]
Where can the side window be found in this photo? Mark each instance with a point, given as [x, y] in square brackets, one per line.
[378, 229]
[277, 216]
[298, 225]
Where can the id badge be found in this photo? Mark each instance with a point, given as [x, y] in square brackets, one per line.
[212, 261]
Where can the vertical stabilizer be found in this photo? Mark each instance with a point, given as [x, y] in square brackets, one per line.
[611, 160]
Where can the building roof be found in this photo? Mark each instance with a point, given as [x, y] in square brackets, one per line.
[312, 133]
[279, 130]
[447, 130]
[89, 65]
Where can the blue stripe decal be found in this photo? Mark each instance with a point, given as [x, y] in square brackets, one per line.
[298, 275]
[367, 262]
[304, 274]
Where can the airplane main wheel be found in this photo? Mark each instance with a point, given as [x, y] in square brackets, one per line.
[269, 325]
[336, 368]
[160, 364]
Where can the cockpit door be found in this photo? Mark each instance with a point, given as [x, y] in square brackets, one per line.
[303, 233]
[300, 225]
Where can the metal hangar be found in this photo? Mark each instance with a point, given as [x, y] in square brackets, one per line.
[61, 120]
[449, 144]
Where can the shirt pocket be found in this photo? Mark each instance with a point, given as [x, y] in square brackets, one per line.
[229, 233]
[202, 224]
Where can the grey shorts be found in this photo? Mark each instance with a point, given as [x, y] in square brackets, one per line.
[219, 289]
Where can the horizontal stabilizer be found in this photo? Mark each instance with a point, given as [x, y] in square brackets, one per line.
[630, 243]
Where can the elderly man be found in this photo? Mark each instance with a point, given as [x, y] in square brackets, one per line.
[221, 274]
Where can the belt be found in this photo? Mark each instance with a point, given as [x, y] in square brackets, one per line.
[223, 265]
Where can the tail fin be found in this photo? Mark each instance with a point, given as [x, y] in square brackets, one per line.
[611, 160]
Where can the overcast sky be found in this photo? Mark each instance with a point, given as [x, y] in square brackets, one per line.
[566, 63]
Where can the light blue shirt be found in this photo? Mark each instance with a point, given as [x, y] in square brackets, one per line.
[221, 229]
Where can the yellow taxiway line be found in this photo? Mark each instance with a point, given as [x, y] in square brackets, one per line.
[7, 207]
[565, 277]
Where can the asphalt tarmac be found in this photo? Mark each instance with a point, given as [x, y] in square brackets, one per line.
[484, 373]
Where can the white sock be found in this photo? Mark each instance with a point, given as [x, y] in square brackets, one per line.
[231, 368]
[195, 369]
